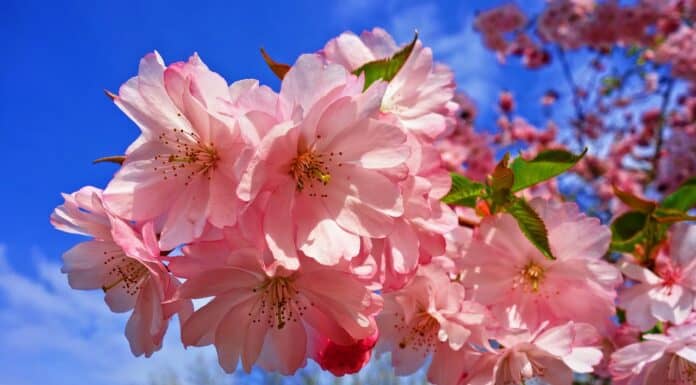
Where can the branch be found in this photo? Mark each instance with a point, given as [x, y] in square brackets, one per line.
[571, 83]
[660, 129]
[579, 113]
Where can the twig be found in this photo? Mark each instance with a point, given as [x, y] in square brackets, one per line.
[660, 129]
[571, 83]
[579, 113]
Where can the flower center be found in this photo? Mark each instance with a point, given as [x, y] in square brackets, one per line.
[309, 167]
[422, 332]
[189, 157]
[532, 275]
[279, 303]
[670, 275]
[125, 272]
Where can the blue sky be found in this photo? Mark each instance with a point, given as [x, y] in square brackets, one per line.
[55, 119]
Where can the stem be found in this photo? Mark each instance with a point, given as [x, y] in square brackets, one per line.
[660, 129]
[567, 73]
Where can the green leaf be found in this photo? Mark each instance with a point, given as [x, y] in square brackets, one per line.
[118, 159]
[545, 166]
[684, 198]
[385, 69]
[531, 225]
[635, 202]
[279, 69]
[464, 191]
[628, 230]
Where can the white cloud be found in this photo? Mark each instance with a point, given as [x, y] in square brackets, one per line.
[55, 335]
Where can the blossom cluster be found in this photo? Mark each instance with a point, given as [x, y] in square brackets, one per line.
[311, 224]
[632, 98]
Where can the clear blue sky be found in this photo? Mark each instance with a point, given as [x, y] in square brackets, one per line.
[55, 119]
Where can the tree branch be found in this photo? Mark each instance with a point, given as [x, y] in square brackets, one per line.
[660, 129]
[567, 73]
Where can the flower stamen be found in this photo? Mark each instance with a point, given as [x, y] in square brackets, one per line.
[532, 275]
[125, 271]
[307, 167]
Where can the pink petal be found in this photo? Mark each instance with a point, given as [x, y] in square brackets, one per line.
[404, 247]
[230, 335]
[271, 162]
[310, 73]
[201, 326]
[254, 340]
[683, 244]
[187, 216]
[319, 237]
[138, 191]
[637, 301]
[280, 238]
[557, 340]
[284, 350]
[589, 240]
[84, 264]
[370, 144]
[131, 242]
[349, 51]
[582, 359]
[674, 304]
[638, 273]
[146, 326]
[219, 281]
[121, 300]
[631, 359]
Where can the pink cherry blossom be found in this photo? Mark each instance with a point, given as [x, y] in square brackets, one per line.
[678, 50]
[331, 175]
[462, 149]
[419, 96]
[614, 338]
[668, 359]
[429, 315]
[183, 169]
[668, 293]
[550, 354]
[419, 233]
[522, 287]
[125, 263]
[493, 24]
[600, 25]
[678, 158]
[270, 318]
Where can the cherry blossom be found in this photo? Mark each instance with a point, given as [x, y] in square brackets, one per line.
[668, 359]
[184, 167]
[125, 263]
[270, 318]
[550, 354]
[430, 315]
[333, 173]
[419, 96]
[669, 293]
[524, 288]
